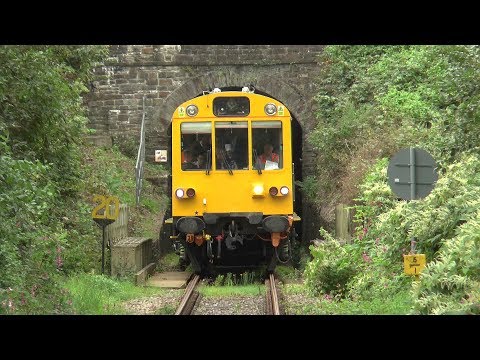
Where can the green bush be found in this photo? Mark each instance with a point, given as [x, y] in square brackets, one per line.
[32, 246]
[374, 100]
[331, 268]
[451, 283]
[42, 123]
[41, 106]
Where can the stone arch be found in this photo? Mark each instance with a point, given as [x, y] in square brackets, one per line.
[300, 105]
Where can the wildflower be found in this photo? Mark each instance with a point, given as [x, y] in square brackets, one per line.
[377, 240]
[59, 262]
[328, 297]
[366, 258]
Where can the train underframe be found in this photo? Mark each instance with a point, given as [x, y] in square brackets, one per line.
[233, 242]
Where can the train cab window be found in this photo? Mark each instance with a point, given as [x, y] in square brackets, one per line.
[267, 145]
[231, 106]
[196, 145]
[231, 145]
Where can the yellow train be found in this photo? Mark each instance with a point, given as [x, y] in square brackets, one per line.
[232, 181]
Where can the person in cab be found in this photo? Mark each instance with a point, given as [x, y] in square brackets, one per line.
[268, 159]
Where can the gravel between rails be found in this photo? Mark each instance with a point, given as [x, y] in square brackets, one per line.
[237, 305]
[148, 305]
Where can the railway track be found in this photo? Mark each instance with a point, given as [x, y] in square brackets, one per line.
[272, 303]
[189, 298]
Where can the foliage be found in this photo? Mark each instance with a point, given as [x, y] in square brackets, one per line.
[241, 279]
[451, 283]
[287, 273]
[397, 304]
[375, 196]
[433, 220]
[42, 122]
[374, 100]
[32, 243]
[308, 187]
[331, 268]
[445, 226]
[232, 290]
[99, 294]
[41, 106]
[109, 172]
[168, 262]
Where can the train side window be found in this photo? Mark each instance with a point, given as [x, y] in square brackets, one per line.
[267, 145]
[196, 145]
[231, 145]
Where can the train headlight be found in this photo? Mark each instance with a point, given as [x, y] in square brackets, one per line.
[270, 109]
[258, 190]
[190, 192]
[284, 190]
[179, 193]
[192, 110]
[273, 191]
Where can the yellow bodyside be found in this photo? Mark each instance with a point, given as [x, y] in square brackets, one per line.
[221, 192]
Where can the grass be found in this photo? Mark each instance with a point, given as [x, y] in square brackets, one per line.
[399, 304]
[232, 290]
[288, 273]
[166, 310]
[168, 262]
[101, 295]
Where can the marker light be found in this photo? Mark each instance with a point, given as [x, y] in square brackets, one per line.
[270, 109]
[273, 191]
[284, 190]
[192, 110]
[190, 192]
[258, 190]
[179, 193]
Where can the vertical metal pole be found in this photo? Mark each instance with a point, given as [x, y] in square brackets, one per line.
[413, 185]
[103, 249]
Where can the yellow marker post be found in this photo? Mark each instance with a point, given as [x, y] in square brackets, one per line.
[414, 264]
[103, 216]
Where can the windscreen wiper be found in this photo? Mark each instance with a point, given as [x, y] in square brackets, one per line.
[208, 164]
[227, 164]
[256, 161]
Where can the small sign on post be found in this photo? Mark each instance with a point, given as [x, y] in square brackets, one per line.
[103, 216]
[160, 155]
[414, 264]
